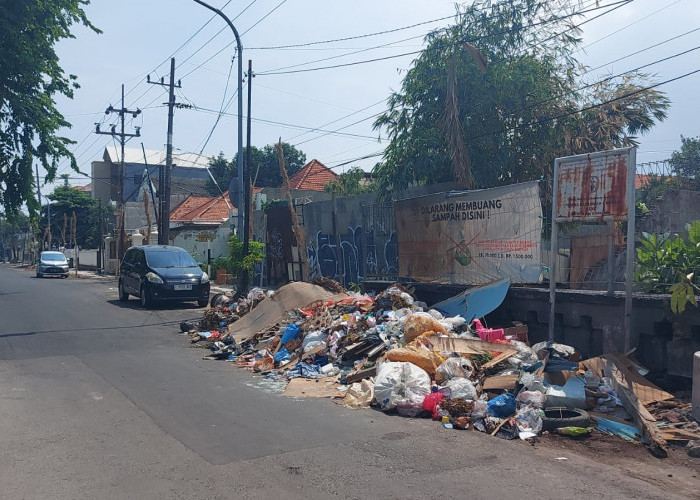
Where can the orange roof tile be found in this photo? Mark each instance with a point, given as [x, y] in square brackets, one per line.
[312, 177]
[201, 209]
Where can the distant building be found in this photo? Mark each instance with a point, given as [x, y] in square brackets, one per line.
[188, 176]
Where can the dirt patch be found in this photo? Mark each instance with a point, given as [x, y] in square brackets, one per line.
[679, 472]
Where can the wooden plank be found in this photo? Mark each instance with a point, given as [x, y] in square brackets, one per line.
[467, 346]
[622, 383]
[644, 390]
[361, 375]
[504, 382]
[501, 357]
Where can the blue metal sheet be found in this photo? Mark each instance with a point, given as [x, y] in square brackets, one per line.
[475, 302]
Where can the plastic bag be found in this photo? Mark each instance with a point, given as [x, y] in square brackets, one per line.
[479, 409]
[426, 359]
[574, 431]
[534, 399]
[282, 355]
[462, 388]
[453, 368]
[502, 406]
[400, 383]
[314, 339]
[291, 333]
[529, 420]
[431, 402]
[418, 323]
[453, 323]
[532, 382]
[360, 394]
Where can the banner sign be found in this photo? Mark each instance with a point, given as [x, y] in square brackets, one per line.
[471, 237]
[593, 187]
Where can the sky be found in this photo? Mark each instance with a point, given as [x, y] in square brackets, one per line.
[327, 113]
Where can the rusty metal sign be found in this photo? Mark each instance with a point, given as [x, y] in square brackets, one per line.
[593, 187]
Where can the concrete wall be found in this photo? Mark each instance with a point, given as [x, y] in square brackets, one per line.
[352, 238]
[187, 239]
[593, 323]
[671, 213]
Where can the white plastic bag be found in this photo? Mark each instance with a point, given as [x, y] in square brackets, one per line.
[454, 368]
[462, 388]
[534, 399]
[359, 394]
[400, 384]
[314, 339]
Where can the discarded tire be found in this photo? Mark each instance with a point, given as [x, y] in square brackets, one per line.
[557, 417]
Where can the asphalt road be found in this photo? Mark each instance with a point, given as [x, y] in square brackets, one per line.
[101, 399]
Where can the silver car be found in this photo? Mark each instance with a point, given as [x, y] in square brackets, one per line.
[52, 264]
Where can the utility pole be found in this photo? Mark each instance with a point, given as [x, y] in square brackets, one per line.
[164, 176]
[246, 180]
[48, 207]
[123, 111]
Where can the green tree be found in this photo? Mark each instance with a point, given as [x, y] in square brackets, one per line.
[12, 231]
[30, 79]
[494, 99]
[265, 170]
[350, 183]
[686, 162]
[66, 200]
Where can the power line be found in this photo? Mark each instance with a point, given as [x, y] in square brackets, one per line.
[540, 23]
[627, 26]
[586, 108]
[231, 43]
[642, 50]
[356, 37]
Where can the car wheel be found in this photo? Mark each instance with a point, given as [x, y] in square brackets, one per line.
[146, 300]
[202, 302]
[123, 296]
[39, 275]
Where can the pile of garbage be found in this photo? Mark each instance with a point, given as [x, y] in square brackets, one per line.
[394, 353]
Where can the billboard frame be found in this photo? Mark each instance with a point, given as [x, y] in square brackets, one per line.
[631, 161]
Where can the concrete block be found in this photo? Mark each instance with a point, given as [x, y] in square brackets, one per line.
[696, 386]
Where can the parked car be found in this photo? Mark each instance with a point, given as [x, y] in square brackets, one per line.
[160, 273]
[52, 264]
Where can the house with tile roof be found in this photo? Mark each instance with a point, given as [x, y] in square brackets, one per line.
[202, 224]
[312, 177]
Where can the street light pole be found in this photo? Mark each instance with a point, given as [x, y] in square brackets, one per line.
[237, 187]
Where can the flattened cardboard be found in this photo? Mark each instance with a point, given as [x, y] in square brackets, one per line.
[313, 388]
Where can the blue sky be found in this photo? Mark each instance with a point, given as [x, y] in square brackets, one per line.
[140, 37]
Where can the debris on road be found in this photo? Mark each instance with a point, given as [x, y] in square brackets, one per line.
[396, 354]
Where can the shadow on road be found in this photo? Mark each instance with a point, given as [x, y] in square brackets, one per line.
[133, 303]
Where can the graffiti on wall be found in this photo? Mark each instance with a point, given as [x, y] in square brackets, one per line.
[357, 255]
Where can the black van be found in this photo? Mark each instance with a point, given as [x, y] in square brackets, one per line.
[156, 273]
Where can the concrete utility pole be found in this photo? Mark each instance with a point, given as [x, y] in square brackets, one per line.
[164, 176]
[236, 187]
[244, 278]
[123, 111]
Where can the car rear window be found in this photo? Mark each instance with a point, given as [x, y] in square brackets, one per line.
[58, 257]
[166, 258]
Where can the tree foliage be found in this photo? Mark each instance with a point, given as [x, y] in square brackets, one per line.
[11, 231]
[686, 162]
[30, 79]
[265, 170]
[350, 183]
[669, 264]
[65, 201]
[497, 96]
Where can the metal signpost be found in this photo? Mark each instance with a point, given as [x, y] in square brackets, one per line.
[595, 187]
